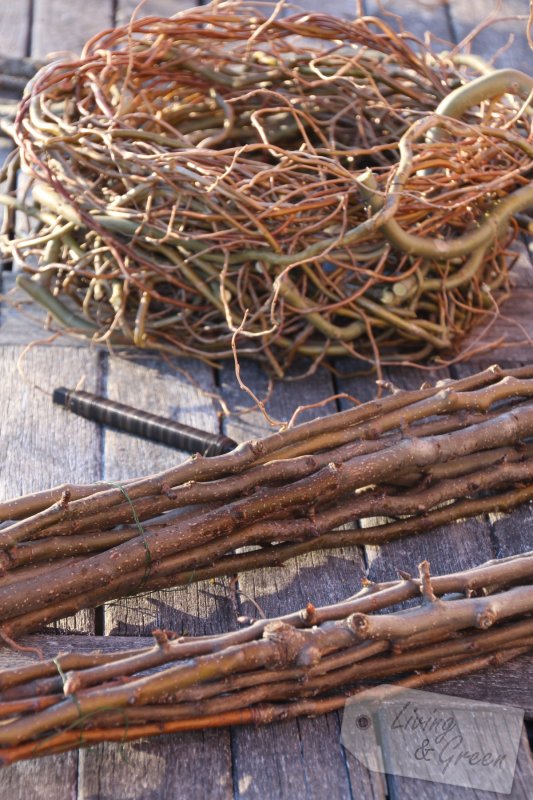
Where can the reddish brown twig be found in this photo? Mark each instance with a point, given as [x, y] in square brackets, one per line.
[305, 663]
[421, 458]
[246, 224]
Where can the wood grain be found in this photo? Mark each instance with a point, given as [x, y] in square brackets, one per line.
[174, 767]
[452, 547]
[149, 384]
[14, 37]
[509, 685]
[157, 8]
[401, 788]
[60, 26]
[522, 270]
[420, 18]
[509, 33]
[40, 445]
[168, 767]
[14, 27]
[302, 757]
[511, 331]
[346, 9]
[22, 322]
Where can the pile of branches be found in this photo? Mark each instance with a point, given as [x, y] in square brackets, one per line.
[421, 458]
[305, 663]
[319, 187]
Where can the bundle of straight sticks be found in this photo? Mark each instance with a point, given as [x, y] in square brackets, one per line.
[305, 663]
[420, 458]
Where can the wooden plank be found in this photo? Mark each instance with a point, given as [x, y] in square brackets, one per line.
[521, 275]
[456, 546]
[511, 333]
[521, 790]
[346, 9]
[481, 542]
[148, 383]
[40, 446]
[509, 684]
[23, 322]
[14, 35]
[59, 26]
[417, 18]
[169, 766]
[513, 533]
[452, 547]
[41, 779]
[295, 758]
[165, 768]
[524, 772]
[476, 688]
[156, 8]
[186, 766]
[466, 14]
[14, 27]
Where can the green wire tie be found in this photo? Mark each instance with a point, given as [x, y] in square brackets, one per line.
[124, 741]
[72, 695]
[142, 532]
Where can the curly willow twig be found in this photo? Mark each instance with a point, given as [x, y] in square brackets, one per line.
[208, 174]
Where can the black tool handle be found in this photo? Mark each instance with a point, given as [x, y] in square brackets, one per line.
[149, 426]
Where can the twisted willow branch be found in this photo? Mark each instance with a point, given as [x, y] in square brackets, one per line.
[203, 176]
[422, 457]
[307, 662]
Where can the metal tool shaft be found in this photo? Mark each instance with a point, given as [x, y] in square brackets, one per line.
[149, 426]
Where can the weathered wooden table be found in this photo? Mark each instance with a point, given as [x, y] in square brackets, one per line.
[41, 445]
